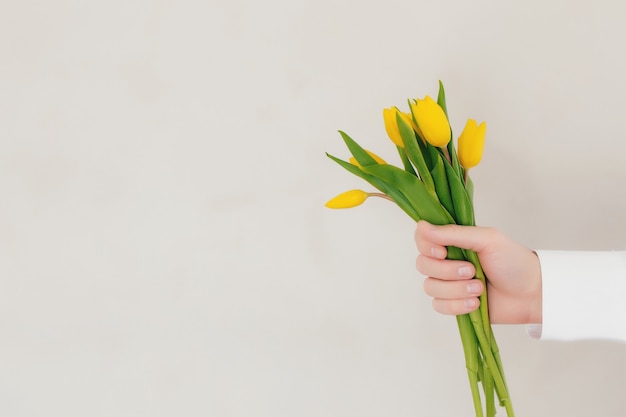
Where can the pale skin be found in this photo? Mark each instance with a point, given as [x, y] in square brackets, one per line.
[513, 272]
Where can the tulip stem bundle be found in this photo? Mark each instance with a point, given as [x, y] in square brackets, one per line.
[434, 185]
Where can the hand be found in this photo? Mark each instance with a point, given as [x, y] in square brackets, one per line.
[513, 273]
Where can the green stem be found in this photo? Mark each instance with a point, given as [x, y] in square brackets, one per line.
[491, 366]
[484, 304]
[472, 359]
[473, 378]
[480, 274]
[492, 372]
[496, 355]
[488, 388]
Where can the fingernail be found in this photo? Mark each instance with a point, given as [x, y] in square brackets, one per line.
[465, 271]
[474, 288]
[471, 303]
[436, 252]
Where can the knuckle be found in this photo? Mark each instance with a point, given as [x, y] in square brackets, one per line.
[492, 233]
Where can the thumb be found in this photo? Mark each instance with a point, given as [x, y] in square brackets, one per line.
[466, 237]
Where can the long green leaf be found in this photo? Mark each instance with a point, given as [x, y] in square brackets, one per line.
[360, 154]
[469, 186]
[456, 164]
[433, 154]
[421, 143]
[427, 207]
[414, 153]
[441, 98]
[381, 185]
[441, 185]
[408, 167]
[463, 209]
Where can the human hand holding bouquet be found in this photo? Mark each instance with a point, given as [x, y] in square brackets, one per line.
[434, 185]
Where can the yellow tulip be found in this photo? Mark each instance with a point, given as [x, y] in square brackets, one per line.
[472, 143]
[348, 199]
[391, 124]
[432, 121]
[377, 158]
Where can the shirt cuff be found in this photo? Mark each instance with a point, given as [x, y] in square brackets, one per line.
[583, 296]
[534, 330]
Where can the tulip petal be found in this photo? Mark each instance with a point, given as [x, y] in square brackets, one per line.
[391, 125]
[433, 122]
[472, 143]
[347, 199]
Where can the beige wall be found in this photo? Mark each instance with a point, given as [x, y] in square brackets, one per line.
[164, 250]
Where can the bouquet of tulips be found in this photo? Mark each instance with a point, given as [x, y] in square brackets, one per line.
[433, 184]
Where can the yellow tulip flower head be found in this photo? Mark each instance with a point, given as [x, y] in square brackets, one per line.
[432, 121]
[472, 143]
[391, 124]
[348, 199]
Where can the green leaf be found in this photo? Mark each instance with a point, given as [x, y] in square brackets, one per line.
[441, 185]
[405, 161]
[381, 185]
[414, 153]
[434, 153]
[441, 98]
[360, 154]
[469, 186]
[426, 206]
[463, 208]
[456, 164]
[423, 145]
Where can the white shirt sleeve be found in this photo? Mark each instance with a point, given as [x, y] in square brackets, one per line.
[584, 296]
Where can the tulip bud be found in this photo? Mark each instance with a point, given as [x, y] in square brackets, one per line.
[432, 121]
[391, 124]
[471, 144]
[377, 158]
[348, 199]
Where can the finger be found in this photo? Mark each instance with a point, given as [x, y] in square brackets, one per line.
[466, 237]
[452, 290]
[426, 246]
[444, 269]
[455, 307]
